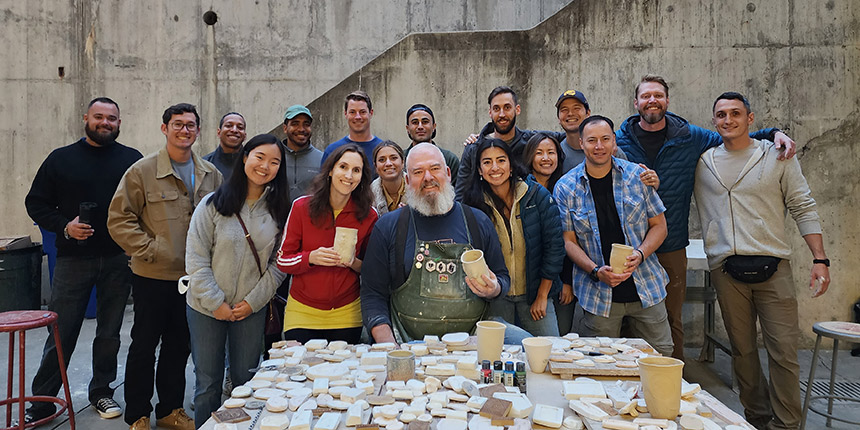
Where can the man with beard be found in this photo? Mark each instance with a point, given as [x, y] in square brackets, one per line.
[85, 171]
[358, 111]
[303, 160]
[421, 127]
[504, 109]
[231, 136]
[413, 258]
[671, 146]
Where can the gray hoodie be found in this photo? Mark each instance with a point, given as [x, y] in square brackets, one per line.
[302, 166]
[747, 216]
[220, 262]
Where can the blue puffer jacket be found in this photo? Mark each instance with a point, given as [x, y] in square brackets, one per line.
[676, 166]
[543, 237]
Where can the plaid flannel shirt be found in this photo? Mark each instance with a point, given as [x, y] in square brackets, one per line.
[636, 203]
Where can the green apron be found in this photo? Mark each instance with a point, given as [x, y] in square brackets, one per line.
[435, 299]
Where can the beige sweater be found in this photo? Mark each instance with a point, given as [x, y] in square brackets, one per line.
[747, 216]
[513, 244]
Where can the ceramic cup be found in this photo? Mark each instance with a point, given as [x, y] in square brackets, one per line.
[400, 365]
[661, 385]
[474, 265]
[537, 352]
[345, 239]
[619, 256]
[491, 337]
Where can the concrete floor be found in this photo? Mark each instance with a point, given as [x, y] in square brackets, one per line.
[714, 377]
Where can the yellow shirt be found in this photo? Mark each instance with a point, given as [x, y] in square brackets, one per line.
[299, 315]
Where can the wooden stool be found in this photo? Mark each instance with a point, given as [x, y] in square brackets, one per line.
[21, 321]
[836, 330]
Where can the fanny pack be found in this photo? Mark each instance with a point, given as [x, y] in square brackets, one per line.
[751, 269]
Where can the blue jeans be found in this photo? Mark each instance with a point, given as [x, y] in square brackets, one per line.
[516, 310]
[244, 341]
[74, 277]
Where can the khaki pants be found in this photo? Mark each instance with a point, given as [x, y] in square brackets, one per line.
[774, 303]
[649, 324]
[675, 264]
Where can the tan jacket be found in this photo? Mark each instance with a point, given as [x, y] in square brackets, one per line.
[150, 212]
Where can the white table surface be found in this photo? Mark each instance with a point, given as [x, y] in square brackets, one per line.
[542, 388]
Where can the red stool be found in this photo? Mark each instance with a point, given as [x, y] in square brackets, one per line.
[21, 321]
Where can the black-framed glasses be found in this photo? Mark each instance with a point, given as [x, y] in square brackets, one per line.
[178, 126]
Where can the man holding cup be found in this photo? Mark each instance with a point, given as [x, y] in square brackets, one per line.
[417, 283]
[70, 197]
[604, 202]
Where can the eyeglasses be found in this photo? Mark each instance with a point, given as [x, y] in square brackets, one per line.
[178, 126]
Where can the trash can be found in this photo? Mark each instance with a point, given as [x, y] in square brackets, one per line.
[21, 278]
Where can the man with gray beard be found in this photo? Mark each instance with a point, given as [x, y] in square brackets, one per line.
[413, 283]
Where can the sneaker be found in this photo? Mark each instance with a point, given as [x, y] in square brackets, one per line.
[107, 407]
[177, 420]
[142, 423]
[28, 418]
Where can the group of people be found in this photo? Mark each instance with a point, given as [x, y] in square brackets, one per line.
[364, 240]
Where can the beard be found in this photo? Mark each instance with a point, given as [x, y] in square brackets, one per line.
[507, 130]
[103, 138]
[653, 117]
[431, 205]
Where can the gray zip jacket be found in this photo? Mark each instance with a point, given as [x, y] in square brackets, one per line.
[301, 166]
[219, 260]
[747, 216]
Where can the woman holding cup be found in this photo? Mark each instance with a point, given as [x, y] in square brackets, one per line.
[529, 228]
[324, 242]
[232, 275]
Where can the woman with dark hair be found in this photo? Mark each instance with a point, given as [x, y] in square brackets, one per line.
[544, 157]
[390, 185]
[529, 228]
[230, 261]
[324, 301]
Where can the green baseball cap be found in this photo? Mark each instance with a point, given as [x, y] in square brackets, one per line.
[296, 110]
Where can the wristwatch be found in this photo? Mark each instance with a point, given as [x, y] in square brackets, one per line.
[66, 232]
[824, 261]
[593, 274]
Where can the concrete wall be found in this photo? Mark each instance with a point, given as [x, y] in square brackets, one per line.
[259, 58]
[798, 62]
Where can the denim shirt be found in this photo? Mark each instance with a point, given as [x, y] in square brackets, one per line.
[636, 203]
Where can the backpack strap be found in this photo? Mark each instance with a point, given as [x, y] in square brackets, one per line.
[472, 226]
